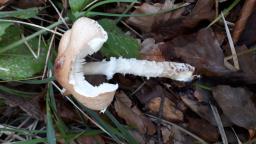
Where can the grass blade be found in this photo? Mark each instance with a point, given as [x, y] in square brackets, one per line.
[17, 92]
[225, 12]
[121, 128]
[33, 141]
[51, 138]
[17, 43]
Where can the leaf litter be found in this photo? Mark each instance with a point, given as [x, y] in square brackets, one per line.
[172, 34]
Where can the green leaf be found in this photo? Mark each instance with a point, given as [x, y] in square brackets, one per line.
[32, 141]
[118, 44]
[110, 26]
[51, 137]
[19, 63]
[20, 13]
[3, 27]
[77, 5]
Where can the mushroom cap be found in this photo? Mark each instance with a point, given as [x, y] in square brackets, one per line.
[85, 38]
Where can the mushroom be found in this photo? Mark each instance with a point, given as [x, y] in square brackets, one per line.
[87, 37]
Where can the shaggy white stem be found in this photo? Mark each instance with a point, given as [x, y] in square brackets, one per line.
[172, 70]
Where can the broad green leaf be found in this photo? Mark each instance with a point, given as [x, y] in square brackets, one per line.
[19, 63]
[110, 26]
[118, 44]
[3, 27]
[77, 5]
[20, 13]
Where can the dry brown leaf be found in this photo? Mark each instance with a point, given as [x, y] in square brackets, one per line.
[151, 51]
[31, 107]
[4, 2]
[166, 134]
[150, 90]
[167, 29]
[65, 110]
[28, 3]
[170, 111]
[138, 137]
[145, 23]
[131, 117]
[90, 140]
[252, 134]
[203, 129]
[247, 66]
[237, 104]
[199, 103]
[248, 36]
[200, 49]
[248, 8]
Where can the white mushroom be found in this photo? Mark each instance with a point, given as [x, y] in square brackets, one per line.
[87, 37]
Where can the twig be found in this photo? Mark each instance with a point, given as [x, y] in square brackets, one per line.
[131, 29]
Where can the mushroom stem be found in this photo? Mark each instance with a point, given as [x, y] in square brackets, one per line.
[172, 70]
